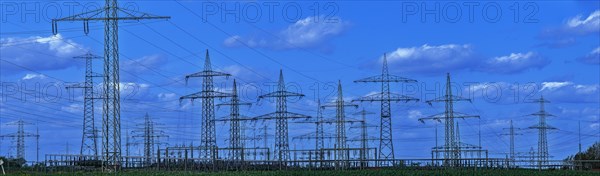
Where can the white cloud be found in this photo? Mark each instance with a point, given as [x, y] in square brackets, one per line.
[553, 85]
[514, 63]
[587, 24]
[39, 53]
[432, 59]
[567, 33]
[73, 108]
[30, 76]
[415, 114]
[592, 57]
[310, 32]
[439, 59]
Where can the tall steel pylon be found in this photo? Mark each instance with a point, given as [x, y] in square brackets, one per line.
[451, 139]
[89, 139]
[281, 116]
[542, 127]
[512, 134]
[208, 138]
[386, 145]
[20, 136]
[235, 130]
[110, 14]
[151, 137]
[341, 155]
[364, 136]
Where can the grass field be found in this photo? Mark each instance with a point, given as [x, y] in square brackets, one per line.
[332, 172]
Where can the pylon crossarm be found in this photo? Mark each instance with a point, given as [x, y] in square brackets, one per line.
[384, 97]
[463, 115]
[206, 74]
[436, 117]
[334, 105]
[86, 16]
[280, 94]
[444, 99]
[76, 85]
[230, 103]
[205, 94]
[230, 118]
[542, 114]
[386, 78]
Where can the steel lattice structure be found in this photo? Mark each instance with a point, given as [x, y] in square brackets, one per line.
[511, 134]
[451, 138]
[281, 116]
[235, 129]
[150, 136]
[208, 94]
[386, 145]
[89, 139]
[542, 127]
[110, 14]
[20, 136]
[340, 127]
[364, 136]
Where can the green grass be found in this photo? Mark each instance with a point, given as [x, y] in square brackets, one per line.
[332, 172]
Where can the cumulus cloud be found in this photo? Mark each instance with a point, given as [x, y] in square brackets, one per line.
[591, 58]
[310, 32]
[577, 26]
[39, 53]
[30, 76]
[514, 63]
[143, 64]
[569, 92]
[432, 59]
[439, 59]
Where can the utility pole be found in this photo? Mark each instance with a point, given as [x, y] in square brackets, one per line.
[340, 124]
[386, 145]
[281, 116]
[235, 131]
[451, 144]
[89, 138]
[208, 142]
[512, 141]
[110, 14]
[542, 128]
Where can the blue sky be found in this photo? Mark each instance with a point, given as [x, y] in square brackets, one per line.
[500, 54]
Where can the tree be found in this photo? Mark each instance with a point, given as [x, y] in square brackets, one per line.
[589, 159]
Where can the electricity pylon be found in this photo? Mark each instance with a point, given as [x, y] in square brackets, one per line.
[110, 14]
[235, 131]
[542, 127]
[208, 138]
[512, 134]
[386, 145]
[364, 136]
[281, 116]
[20, 136]
[89, 144]
[151, 137]
[319, 134]
[340, 127]
[451, 142]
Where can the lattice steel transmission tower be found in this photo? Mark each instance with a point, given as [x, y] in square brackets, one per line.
[208, 138]
[89, 139]
[340, 127]
[150, 136]
[319, 134]
[20, 136]
[451, 138]
[542, 127]
[512, 134]
[386, 145]
[281, 116]
[110, 14]
[235, 130]
[364, 136]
